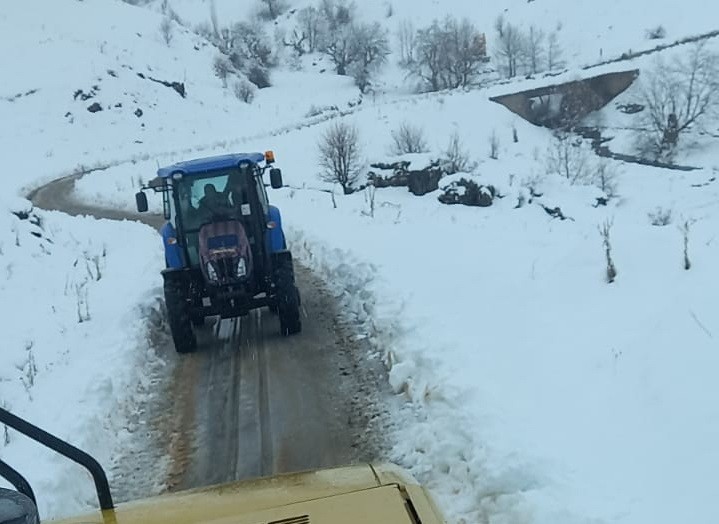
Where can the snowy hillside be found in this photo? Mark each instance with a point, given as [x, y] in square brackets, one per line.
[536, 391]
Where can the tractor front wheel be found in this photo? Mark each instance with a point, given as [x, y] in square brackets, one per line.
[178, 315]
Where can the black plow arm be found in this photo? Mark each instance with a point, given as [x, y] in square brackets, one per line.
[17, 480]
[63, 448]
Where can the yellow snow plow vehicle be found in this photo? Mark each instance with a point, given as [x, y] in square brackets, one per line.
[354, 494]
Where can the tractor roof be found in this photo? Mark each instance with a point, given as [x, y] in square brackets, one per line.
[212, 163]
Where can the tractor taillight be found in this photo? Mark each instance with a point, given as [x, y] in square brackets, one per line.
[271, 224]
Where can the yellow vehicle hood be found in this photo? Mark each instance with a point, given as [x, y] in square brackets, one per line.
[356, 494]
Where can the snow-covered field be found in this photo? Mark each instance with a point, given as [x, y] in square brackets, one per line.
[537, 392]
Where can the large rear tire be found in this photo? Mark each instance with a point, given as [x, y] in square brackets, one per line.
[178, 315]
[288, 299]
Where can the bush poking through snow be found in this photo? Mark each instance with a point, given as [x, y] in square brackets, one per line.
[494, 145]
[456, 159]
[685, 228]
[244, 91]
[605, 178]
[656, 33]
[605, 232]
[222, 68]
[166, 30]
[408, 138]
[568, 159]
[660, 216]
[339, 156]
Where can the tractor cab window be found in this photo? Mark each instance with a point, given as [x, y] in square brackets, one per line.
[216, 197]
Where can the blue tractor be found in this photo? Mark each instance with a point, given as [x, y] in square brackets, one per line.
[225, 251]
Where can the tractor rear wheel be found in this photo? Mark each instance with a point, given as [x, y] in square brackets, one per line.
[288, 299]
[178, 315]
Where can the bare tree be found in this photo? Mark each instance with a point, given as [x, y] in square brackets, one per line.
[408, 138]
[342, 49]
[213, 19]
[371, 45]
[568, 159]
[339, 156]
[337, 13]
[677, 97]
[468, 51]
[534, 50]
[449, 54]
[311, 26]
[271, 9]
[554, 52]
[510, 50]
[248, 43]
[605, 178]
[406, 41]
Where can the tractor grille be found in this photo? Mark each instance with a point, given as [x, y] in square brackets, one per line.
[226, 268]
[303, 519]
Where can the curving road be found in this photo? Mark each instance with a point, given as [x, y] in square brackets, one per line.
[250, 403]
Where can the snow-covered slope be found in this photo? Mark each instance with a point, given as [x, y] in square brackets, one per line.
[536, 391]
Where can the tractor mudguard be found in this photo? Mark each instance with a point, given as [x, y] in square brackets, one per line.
[172, 273]
[280, 256]
[275, 237]
[173, 254]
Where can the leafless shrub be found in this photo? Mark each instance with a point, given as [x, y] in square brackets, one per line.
[678, 96]
[339, 156]
[244, 90]
[660, 216]
[656, 33]
[456, 159]
[448, 54]
[408, 138]
[605, 232]
[494, 145]
[369, 197]
[568, 159]
[259, 76]
[166, 30]
[222, 68]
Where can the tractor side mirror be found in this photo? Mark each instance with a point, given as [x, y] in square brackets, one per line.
[276, 178]
[141, 201]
